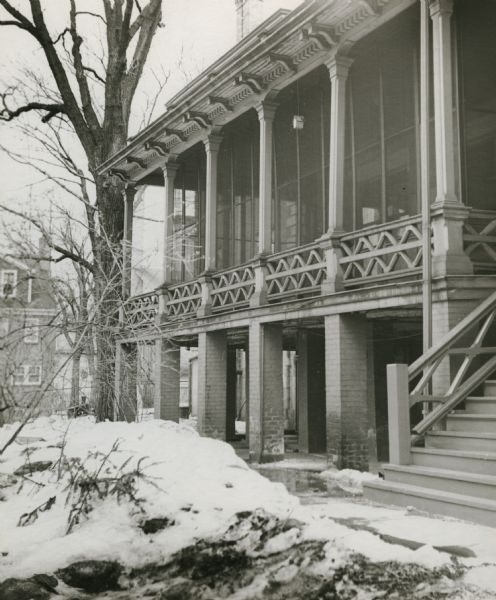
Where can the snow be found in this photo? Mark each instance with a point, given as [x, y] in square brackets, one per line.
[349, 480]
[199, 484]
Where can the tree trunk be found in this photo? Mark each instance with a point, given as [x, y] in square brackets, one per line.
[75, 387]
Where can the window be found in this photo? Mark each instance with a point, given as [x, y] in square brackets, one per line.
[8, 284]
[32, 331]
[381, 149]
[27, 375]
[33, 375]
[301, 159]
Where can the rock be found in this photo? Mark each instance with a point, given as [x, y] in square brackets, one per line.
[92, 575]
[49, 582]
[23, 589]
[33, 467]
[6, 479]
[156, 524]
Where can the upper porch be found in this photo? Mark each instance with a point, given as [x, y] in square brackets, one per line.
[300, 164]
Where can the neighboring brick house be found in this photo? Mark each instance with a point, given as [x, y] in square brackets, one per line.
[27, 340]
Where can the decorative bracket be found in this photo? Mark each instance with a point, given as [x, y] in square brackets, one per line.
[135, 161]
[224, 102]
[369, 6]
[175, 133]
[199, 118]
[252, 81]
[159, 147]
[324, 36]
[284, 60]
[120, 175]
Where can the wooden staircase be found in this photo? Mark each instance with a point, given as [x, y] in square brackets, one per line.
[448, 465]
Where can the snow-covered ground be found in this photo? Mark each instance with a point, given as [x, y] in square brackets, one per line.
[104, 481]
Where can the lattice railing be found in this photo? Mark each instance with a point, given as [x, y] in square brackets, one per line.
[472, 355]
[141, 311]
[479, 240]
[383, 251]
[232, 288]
[296, 272]
[184, 299]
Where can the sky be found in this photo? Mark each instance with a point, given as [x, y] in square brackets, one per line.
[195, 33]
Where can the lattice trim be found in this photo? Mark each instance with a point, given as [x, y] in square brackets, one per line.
[233, 288]
[302, 272]
[184, 299]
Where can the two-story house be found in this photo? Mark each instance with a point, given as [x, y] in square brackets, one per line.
[27, 340]
[328, 187]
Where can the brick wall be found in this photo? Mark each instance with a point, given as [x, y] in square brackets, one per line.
[346, 390]
[266, 392]
[212, 365]
[167, 380]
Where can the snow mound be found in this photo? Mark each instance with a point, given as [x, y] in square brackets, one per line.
[194, 484]
[349, 480]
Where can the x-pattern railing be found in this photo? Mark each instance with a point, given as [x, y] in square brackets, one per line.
[476, 363]
[295, 272]
[382, 251]
[479, 237]
[184, 299]
[232, 287]
[141, 311]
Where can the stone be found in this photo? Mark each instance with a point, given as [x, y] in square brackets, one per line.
[33, 467]
[156, 524]
[92, 576]
[23, 589]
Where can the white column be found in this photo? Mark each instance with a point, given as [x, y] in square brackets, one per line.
[127, 239]
[338, 70]
[441, 11]
[169, 169]
[212, 145]
[266, 113]
[448, 213]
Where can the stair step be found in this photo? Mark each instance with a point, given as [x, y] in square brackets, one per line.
[437, 502]
[458, 460]
[457, 482]
[490, 387]
[461, 440]
[481, 404]
[463, 421]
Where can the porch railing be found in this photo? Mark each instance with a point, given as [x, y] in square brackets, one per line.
[184, 299]
[141, 311]
[232, 288]
[479, 240]
[454, 368]
[296, 272]
[386, 251]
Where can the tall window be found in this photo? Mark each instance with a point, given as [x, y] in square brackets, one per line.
[476, 27]
[301, 159]
[381, 154]
[237, 184]
[8, 284]
[189, 217]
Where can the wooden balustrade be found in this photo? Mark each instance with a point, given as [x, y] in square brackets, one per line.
[141, 311]
[479, 240]
[297, 272]
[386, 251]
[232, 288]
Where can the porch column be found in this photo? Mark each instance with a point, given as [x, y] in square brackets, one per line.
[266, 408]
[338, 71]
[127, 239]
[266, 113]
[169, 170]
[346, 390]
[126, 380]
[448, 212]
[167, 368]
[212, 384]
[212, 145]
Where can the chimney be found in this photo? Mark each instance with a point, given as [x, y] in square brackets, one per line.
[249, 14]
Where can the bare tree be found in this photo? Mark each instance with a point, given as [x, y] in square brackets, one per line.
[90, 94]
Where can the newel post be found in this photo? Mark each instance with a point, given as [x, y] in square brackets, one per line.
[205, 309]
[259, 296]
[398, 414]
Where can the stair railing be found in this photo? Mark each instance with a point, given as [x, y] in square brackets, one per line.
[465, 340]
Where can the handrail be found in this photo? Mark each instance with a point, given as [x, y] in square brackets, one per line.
[439, 349]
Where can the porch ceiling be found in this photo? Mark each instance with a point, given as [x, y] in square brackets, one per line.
[280, 50]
